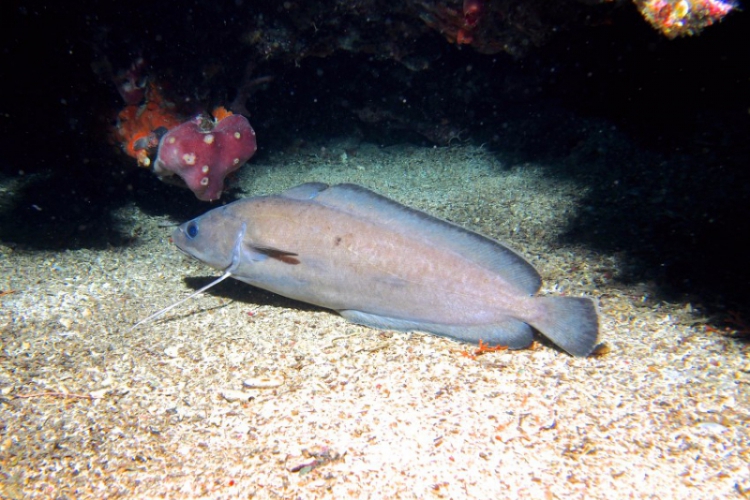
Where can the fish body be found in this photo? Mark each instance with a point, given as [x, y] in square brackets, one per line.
[382, 264]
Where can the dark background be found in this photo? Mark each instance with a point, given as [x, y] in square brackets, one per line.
[657, 128]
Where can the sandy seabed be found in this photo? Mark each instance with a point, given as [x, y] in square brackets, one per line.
[240, 393]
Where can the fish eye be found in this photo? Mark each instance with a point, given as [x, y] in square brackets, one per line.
[192, 230]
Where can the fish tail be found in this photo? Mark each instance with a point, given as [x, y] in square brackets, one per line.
[571, 323]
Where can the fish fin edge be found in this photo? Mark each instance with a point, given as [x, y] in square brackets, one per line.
[510, 332]
[571, 323]
[306, 191]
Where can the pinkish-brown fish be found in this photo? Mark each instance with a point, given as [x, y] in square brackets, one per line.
[382, 264]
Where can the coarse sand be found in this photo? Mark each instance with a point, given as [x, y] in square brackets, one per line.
[240, 393]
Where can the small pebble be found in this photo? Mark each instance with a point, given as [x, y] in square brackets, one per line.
[98, 394]
[233, 396]
[712, 427]
[262, 382]
[173, 351]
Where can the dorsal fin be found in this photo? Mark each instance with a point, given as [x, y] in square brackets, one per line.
[306, 191]
[484, 251]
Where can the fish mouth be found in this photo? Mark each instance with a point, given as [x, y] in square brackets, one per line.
[184, 252]
[174, 239]
[179, 240]
[194, 256]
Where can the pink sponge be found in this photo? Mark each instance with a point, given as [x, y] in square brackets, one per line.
[202, 152]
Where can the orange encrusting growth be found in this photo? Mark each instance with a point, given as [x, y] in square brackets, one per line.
[483, 349]
[220, 112]
[138, 121]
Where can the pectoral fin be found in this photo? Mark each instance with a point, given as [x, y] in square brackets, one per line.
[258, 254]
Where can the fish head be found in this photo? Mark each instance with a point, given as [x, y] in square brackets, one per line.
[211, 238]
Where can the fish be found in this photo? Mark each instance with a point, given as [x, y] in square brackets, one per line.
[384, 265]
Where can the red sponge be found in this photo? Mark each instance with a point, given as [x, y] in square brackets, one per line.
[202, 152]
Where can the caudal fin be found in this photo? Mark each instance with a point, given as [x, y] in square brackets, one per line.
[572, 323]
